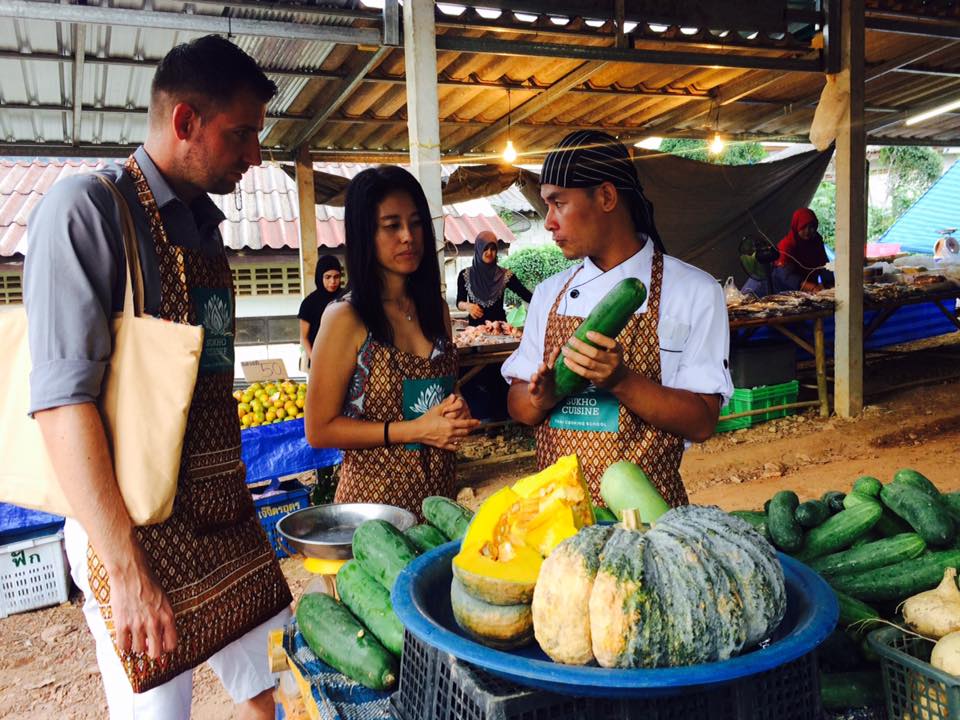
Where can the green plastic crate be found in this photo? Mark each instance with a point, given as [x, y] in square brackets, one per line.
[914, 688]
[747, 399]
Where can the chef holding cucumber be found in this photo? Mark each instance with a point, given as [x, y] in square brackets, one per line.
[624, 355]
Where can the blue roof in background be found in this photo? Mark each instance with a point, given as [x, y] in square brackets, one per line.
[938, 208]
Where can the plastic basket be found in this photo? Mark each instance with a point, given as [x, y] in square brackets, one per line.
[33, 574]
[747, 399]
[274, 506]
[914, 688]
[436, 686]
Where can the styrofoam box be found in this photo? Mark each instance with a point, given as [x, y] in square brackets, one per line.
[33, 574]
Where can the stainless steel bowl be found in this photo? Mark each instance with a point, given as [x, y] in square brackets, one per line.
[326, 531]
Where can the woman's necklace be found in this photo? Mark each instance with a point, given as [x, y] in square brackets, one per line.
[407, 312]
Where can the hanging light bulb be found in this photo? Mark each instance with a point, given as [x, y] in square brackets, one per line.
[509, 152]
[717, 144]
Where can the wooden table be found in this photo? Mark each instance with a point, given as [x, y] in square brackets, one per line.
[936, 294]
[476, 357]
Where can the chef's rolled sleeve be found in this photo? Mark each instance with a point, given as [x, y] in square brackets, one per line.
[525, 360]
[704, 367]
[70, 285]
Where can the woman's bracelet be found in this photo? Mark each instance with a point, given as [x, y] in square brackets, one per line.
[386, 434]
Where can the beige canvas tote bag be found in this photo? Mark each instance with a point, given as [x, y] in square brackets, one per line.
[146, 395]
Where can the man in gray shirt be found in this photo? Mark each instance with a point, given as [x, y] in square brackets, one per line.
[203, 585]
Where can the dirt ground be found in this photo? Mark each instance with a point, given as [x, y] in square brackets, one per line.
[47, 662]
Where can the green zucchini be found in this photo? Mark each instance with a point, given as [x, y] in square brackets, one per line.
[922, 512]
[872, 555]
[861, 688]
[888, 525]
[839, 531]
[951, 503]
[854, 612]
[918, 480]
[602, 514]
[450, 518]
[425, 537]
[382, 550]
[781, 521]
[752, 517]
[370, 602]
[811, 513]
[609, 317]
[833, 500]
[898, 581]
[867, 485]
[338, 638]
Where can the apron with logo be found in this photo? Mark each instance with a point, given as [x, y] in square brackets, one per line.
[399, 386]
[595, 425]
[211, 556]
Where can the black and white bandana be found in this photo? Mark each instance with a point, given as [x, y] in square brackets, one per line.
[587, 158]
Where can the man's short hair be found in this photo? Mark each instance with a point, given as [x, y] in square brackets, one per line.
[209, 72]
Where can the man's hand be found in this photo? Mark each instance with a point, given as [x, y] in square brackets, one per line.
[601, 365]
[142, 615]
[541, 388]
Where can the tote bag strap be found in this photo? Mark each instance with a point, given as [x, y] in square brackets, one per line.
[133, 294]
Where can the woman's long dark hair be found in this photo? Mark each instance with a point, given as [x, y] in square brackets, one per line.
[364, 195]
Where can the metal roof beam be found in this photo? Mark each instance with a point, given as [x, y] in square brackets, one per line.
[492, 46]
[534, 105]
[340, 95]
[99, 15]
[909, 24]
[927, 70]
[935, 99]
[79, 50]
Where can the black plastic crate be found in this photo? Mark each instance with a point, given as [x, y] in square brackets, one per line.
[436, 686]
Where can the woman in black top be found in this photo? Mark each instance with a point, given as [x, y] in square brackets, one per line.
[328, 276]
[480, 287]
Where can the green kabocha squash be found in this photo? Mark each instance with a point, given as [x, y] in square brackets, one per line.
[500, 626]
[699, 587]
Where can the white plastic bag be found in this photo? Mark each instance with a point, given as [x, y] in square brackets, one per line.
[731, 293]
[829, 114]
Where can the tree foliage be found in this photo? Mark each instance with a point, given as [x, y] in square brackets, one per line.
[532, 265]
[735, 153]
[824, 206]
[912, 170]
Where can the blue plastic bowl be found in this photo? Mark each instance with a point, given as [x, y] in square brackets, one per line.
[421, 599]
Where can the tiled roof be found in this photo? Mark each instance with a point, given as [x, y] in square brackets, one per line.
[268, 218]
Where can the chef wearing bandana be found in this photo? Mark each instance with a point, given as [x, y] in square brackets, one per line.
[659, 383]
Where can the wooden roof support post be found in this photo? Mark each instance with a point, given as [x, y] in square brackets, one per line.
[423, 110]
[308, 220]
[851, 216]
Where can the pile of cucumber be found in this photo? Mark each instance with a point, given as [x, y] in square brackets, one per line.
[876, 545]
[360, 635]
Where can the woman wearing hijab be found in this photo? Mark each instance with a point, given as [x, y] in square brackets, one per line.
[802, 256]
[480, 287]
[328, 276]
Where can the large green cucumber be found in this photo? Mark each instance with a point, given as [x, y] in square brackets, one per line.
[382, 550]
[951, 502]
[609, 317]
[871, 555]
[861, 688]
[425, 537]
[781, 521]
[924, 513]
[338, 638]
[916, 479]
[899, 581]
[450, 518]
[888, 525]
[854, 612]
[370, 602]
[868, 485]
[811, 513]
[833, 500]
[840, 530]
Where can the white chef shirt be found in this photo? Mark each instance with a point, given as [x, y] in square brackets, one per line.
[694, 330]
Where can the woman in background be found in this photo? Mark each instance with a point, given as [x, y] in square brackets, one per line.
[383, 365]
[327, 277]
[802, 256]
[481, 286]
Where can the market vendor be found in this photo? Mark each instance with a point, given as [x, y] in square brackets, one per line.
[802, 261]
[327, 279]
[662, 381]
[384, 365]
[480, 287]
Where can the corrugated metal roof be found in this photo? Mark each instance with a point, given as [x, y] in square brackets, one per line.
[917, 230]
[268, 217]
[630, 97]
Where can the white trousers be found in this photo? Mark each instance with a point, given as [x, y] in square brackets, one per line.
[242, 666]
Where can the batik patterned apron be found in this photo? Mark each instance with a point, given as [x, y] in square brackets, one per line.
[211, 556]
[399, 474]
[627, 436]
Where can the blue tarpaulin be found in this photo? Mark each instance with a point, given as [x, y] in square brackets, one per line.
[17, 523]
[271, 451]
